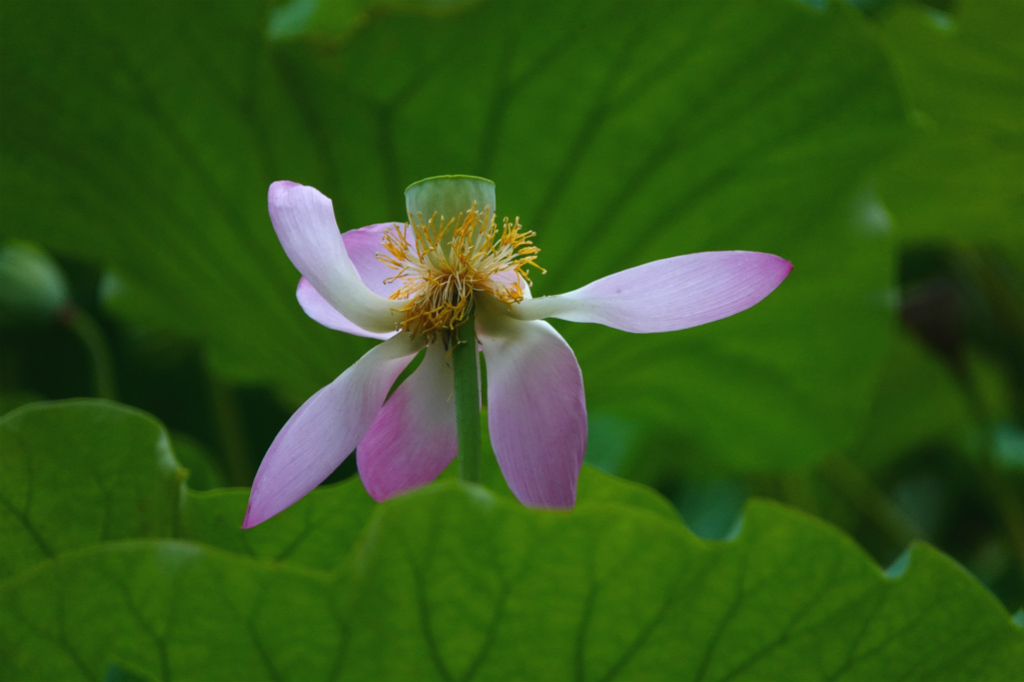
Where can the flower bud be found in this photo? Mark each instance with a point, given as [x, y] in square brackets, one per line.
[32, 285]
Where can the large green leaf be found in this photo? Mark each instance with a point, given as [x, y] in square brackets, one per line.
[144, 137]
[318, 532]
[502, 593]
[81, 473]
[168, 610]
[454, 582]
[325, 525]
[963, 177]
[107, 473]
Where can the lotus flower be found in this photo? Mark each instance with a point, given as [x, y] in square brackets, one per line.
[411, 285]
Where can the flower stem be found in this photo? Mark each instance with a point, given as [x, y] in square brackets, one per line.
[466, 364]
[228, 420]
[860, 490]
[1007, 504]
[91, 335]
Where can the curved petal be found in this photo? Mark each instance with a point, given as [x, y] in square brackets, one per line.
[317, 307]
[362, 246]
[413, 438]
[536, 409]
[667, 295]
[328, 426]
[303, 219]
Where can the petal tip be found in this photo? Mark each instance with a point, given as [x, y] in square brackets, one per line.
[784, 267]
[771, 270]
[251, 519]
[279, 186]
[562, 505]
[545, 500]
[376, 493]
[279, 191]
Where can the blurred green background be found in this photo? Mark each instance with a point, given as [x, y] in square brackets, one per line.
[878, 145]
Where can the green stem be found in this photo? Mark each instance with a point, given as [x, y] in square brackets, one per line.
[1008, 504]
[798, 490]
[869, 500]
[91, 335]
[229, 427]
[466, 365]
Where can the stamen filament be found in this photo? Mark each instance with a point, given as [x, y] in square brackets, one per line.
[446, 260]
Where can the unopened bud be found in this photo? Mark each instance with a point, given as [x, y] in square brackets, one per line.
[32, 285]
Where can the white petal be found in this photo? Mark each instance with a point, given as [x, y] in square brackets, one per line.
[536, 410]
[667, 295]
[328, 426]
[317, 307]
[304, 221]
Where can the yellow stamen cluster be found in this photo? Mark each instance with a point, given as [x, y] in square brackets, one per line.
[448, 260]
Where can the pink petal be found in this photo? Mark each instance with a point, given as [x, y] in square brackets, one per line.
[667, 295]
[363, 245]
[413, 438]
[317, 307]
[304, 221]
[536, 409]
[511, 277]
[328, 426]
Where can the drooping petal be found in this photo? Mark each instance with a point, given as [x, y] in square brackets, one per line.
[536, 409]
[317, 307]
[328, 426]
[363, 245]
[413, 438]
[667, 295]
[304, 221]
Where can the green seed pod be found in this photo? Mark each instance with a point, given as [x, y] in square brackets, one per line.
[448, 196]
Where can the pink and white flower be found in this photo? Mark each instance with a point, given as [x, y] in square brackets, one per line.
[410, 285]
